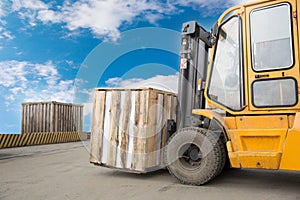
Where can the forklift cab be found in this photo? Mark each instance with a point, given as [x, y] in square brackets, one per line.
[255, 62]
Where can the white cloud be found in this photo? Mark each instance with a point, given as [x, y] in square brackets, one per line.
[168, 83]
[25, 81]
[104, 18]
[209, 4]
[47, 16]
[208, 7]
[4, 33]
[28, 9]
[2, 13]
[62, 91]
[29, 4]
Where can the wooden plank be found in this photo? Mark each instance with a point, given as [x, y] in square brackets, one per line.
[75, 119]
[40, 112]
[136, 130]
[151, 129]
[23, 129]
[30, 120]
[35, 116]
[170, 110]
[47, 117]
[72, 118]
[164, 133]
[63, 118]
[97, 126]
[174, 108]
[51, 117]
[114, 128]
[66, 117]
[81, 119]
[22, 120]
[27, 118]
[43, 122]
[125, 128]
[54, 117]
[69, 118]
[140, 161]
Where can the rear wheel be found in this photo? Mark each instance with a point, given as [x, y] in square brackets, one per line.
[195, 155]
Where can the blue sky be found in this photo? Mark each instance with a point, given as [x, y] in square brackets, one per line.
[48, 46]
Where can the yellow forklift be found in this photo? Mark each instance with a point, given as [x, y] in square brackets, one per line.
[240, 106]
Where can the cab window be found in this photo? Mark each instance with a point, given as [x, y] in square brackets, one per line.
[271, 37]
[226, 80]
[275, 92]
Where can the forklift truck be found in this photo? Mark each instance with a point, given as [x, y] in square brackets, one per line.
[241, 105]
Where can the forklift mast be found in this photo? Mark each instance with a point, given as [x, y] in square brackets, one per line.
[195, 42]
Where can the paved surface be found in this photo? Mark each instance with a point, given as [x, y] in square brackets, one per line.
[62, 171]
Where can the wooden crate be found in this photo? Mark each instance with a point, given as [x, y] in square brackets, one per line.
[49, 117]
[129, 128]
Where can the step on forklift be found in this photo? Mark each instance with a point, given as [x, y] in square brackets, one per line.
[240, 107]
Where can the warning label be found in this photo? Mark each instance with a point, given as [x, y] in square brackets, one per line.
[183, 63]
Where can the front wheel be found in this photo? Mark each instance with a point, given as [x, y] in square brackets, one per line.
[195, 155]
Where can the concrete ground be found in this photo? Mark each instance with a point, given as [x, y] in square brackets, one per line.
[62, 171]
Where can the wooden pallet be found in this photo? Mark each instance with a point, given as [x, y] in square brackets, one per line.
[129, 128]
[43, 117]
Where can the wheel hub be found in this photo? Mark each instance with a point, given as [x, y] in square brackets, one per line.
[195, 154]
[191, 155]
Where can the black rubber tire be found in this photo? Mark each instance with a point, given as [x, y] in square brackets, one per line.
[213, 156]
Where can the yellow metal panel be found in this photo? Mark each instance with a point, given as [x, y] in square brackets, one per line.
[234, 160]
[260, 139]
[261, 160]
[257, 141]
[233, 138]
[230, 122]
[290, 157]
[297, 53]
[260, 143]
[262, 122]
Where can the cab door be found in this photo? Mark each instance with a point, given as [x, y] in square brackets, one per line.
[273, 68]
[272, 73]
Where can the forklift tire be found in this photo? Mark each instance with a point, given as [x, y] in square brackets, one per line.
[195, 155]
